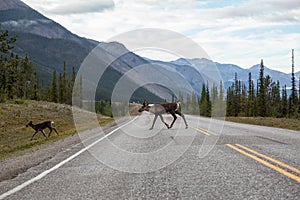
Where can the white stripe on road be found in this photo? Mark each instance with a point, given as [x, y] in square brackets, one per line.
[43, 174]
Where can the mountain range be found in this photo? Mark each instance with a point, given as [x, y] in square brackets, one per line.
[49, 44]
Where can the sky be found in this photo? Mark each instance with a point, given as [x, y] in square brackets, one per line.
[240, 32]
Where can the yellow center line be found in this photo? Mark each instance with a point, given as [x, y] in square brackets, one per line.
[282, 171]
[271, 159]
[211, 133]
[201, 131]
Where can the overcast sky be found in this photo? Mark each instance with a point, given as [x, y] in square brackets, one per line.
[239, 32]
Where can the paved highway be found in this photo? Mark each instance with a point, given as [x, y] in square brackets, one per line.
[212, 159]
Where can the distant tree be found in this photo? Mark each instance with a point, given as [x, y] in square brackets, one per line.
[194, 104]
[230, 101]
[6, 42]
[60, 89]
[284, 102]
[204, 103]
[11, 76]
[218, 104]
[188, 107]
[276, 99]
[34, 88]
[237, 95]
[43, 93]
[77, 93]
[54, 92]
[7, 66]
[293, 99]
[70, 86]
[268, 95]
[261, 97]
[243, 101]
[251, 96]
[26, 74]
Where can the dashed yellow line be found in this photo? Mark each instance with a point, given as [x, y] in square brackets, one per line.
[201, 131]
[208, 132]
[278, 169]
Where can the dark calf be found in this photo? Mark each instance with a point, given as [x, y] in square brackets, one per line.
[41, 127]
[161, 108]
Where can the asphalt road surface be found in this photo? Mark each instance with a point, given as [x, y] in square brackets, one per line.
[212, 159]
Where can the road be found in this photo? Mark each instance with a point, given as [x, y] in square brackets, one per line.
[212, 159]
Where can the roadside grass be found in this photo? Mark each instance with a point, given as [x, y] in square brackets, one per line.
[285, 123]
[15, 136]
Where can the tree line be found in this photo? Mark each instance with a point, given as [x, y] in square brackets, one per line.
[19, 80]
[266, 99]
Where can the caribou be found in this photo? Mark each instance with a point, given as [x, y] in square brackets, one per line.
[160, 108]
[41, 127]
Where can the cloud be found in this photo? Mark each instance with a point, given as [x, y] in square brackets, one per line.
[263, 10]
[239, 32]
[59, 7]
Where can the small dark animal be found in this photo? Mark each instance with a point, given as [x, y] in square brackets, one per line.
[41, 127]
[161, 108]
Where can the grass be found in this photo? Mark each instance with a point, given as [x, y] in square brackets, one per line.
[285, 123]
[15, 136]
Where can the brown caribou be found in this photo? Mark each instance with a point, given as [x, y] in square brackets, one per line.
[41, 127]
[160, 108]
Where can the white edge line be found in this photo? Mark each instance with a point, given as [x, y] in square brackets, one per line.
[43, 174]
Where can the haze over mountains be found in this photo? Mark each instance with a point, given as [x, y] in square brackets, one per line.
[49, 44]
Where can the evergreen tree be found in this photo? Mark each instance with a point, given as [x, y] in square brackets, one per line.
[251, 96]
[77, 93]
[25, 77]
[43, 94]
[61, 89]
[275, 100]
[188, 104]
[34, 88]
[194, 104]
[267, 89]
[54, 93]
[261, 100]
[6, 42]
[6, 66]
[11, 77]
[208, 109]
[230, 101]
[284, 102]
[243, 101]
[293, 100]
[204, 103]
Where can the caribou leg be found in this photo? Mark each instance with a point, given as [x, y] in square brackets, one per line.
[155, 117]
[51, 129]
[43, 133]
[50, 132]
[174, 116]
[182, 115]
[34, 135]
[162, 119]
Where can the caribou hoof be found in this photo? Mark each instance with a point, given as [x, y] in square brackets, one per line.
[186, 127]
[151, 128]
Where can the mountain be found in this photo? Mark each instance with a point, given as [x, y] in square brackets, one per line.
[227, 71]
[46, 42]
[49, 44]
